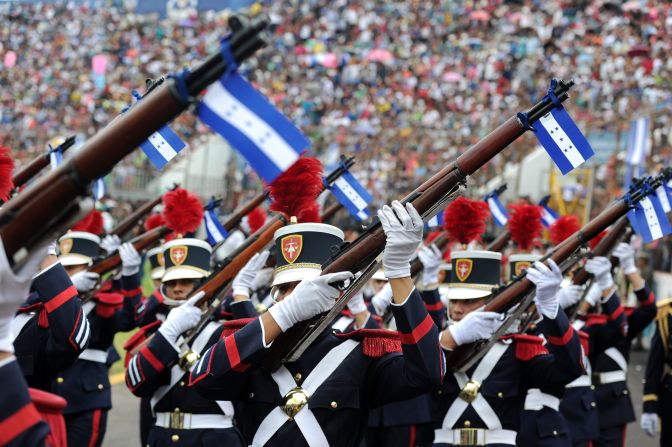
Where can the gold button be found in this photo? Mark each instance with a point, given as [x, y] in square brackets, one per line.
[440, 392]
[181, 382]
[593, 404]
[175, 438]
[59, 380]
[500, 395]
[251, 395]
[334, 404]
[467, 424]
[100, 386]
[177, 410]
[555, 433]
[592, 387]
[626, 392]
[298, 377]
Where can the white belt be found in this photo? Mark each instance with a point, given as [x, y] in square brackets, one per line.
[584, 380]
[609, 377]
[189, 421]
[474, 436]
[536, 400]
[94, 355]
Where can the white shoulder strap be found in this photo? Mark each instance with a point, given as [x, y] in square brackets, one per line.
[19, 322]
[617, 357]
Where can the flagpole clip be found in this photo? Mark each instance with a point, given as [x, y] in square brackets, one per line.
[550, 93]
[227, 55]
[524, 121]
[180, 83]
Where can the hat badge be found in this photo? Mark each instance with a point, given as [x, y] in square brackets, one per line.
[65, 246]
[463, 268]
[161, 259]
[520, 266]
[178, 254]
[291, 247]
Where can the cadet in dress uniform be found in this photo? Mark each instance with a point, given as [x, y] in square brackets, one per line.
[482, 405]
[85, 385]
[323, 397]
[159, 371]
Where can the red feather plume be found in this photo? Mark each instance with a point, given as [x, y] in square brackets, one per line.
[294, 192]
[564, 227]
[256, 219]
[154, 221]
[6, 168]
[596, 240]
[182, 211]
[464, 219]
[525, 224]
[91, 223]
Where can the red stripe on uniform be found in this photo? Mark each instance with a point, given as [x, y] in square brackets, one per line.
[561, 341]
[650, 300]
[417, 333]
[617, 313]
[19, 422]
[60, 299]
[433, 307]
[131, 293]
[411, 441]
[151, 358]
[95, 429]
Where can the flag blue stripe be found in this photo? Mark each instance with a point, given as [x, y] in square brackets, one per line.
[363, 193]
[171, 137]
[154, 155]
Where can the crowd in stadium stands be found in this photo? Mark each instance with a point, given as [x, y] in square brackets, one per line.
[406, 85]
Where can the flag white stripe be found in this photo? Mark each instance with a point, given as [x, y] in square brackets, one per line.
[664, 200]
[562, 140]
[362, 215]
[220, 101]
[651, 219]
[212, 228]
[547, 216]
[350, 193]
[162, 146]
[433, 222]
[494, 209]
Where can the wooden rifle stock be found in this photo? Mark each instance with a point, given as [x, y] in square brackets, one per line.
[37, 164]
[53, 200]
[441, 241]
[330, 212]
[137, 216]
[140, 243]
[233, 220]
[360, 253]
[500, 242]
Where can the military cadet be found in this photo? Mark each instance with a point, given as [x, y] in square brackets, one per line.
[85, 385]
[482, 405]
[322, 398]
[159, 371]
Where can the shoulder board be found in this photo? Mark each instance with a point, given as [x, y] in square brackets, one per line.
[47, 402]
[593, 319]
[109, 299]
[231, 326]
[31, 308]
[40, 310]
[375, 342]
[664, 303]
[141, 335]
[528, 346]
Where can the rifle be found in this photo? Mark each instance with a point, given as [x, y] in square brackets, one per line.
[441, 242]
[137, 216]
[58, 198]
[329, 213]
[428, 199]
[464, 356]
[37, 164]
[500, 241]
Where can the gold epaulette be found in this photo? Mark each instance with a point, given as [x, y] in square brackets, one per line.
[664, 303]
[663, 321]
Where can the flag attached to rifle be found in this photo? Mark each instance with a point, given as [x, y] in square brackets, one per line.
[649, 220]
[214, 230]
[98, 189]
[548, 214]
[663, 194]
[265, 137]
[162, 146]
[55, 157]
[436, 221]
[497, 209]
[352, 195]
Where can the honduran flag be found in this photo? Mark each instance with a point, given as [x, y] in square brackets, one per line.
[55, 157]
[98, 189]
[649, 220]
[352, 195]
[265, 137]
[214, 230]
[548, 214]
[162, 146]
[497, 209]
[436, 221]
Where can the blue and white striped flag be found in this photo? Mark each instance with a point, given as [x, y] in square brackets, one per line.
[265, 137]
[638, 141]
[352, 195]
[663, 193]
[436, 221]
[548, 214]
[563, 141]
[162, 146]
[213, 228]
[649, 220]
[55, 157]
[98, 189]
[497, 209]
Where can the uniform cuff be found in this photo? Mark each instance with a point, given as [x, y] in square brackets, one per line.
[413, 321]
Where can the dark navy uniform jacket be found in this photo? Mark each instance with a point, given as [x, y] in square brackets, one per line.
[86, 385]
[658, 378]
[56, 330]
[151, 309]
[369, 375]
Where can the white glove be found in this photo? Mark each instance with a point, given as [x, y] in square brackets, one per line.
[626, 257]
[570, 295]
[476, 325]
[52, 250]
[130, 259]
[14, 289]
[357, 304]
[403, 230]
[85, 281]
[263, 278]
[242, 283]
[182, 318]
[649, 423]
[547, 279]
[310, 297]
[431, 258]
[382, 300]
[594, 295]
[600, 267]
[110, 243]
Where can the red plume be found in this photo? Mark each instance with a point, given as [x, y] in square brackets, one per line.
[294, 192]
[91, 223]
[256, 219]
[596, 240]
[6, 168]
[154, 221]
[182, 211]
[564, 227]
[525, 224]
[464, 219]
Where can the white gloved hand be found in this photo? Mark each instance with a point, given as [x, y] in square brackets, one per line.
[547, 279]
[357, 304]
[600, 267]
[382, 300]
[182, 318]
[403, 230]
[570, 295]
[52, 250]
[626, 257]
[242, 283]
[130, 259]
[263, 278]
[649, 423]
[476, 325]
[310, 297]
[85, 281]
[110, 243]
[14, 289]
[431, 258]
[594, 295]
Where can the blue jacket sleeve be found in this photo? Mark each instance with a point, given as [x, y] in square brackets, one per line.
[125, 318]
[643, 315]
[145, 371]
[435, 307]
